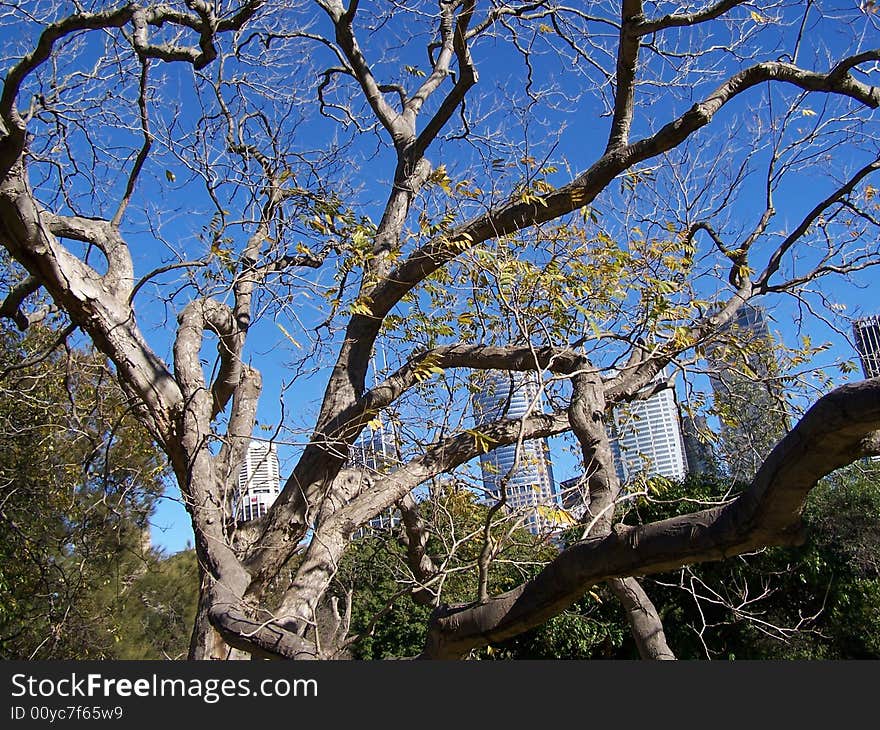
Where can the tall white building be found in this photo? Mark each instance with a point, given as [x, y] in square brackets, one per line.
[258, 481]
[529, 486]
[867, 336]
[649, 438]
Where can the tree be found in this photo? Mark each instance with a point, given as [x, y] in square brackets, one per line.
[78, 479]
[814, 601]
[221, 172]
[376, 575]
[153, 618]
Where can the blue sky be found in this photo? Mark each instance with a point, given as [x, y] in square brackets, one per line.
[580, 137]
[578, 133]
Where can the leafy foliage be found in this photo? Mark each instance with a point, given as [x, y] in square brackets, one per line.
[816, 601]
[78, 480]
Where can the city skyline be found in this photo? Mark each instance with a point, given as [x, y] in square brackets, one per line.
[160, 539]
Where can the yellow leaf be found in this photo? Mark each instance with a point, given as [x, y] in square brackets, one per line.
[481, 440]
[808, 112]
[758, 18]
[360, 306]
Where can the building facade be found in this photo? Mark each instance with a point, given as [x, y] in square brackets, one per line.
[527, 480]
[258, 481]
[646, 440]
[866, 332]
[747, 396]
[375, 452]
[698, 439]
[647, 437]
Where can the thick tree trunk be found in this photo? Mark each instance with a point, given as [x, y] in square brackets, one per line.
[206, 642]
[643, 619]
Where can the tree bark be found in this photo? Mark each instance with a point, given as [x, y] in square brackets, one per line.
[206, 643]
[642, 617]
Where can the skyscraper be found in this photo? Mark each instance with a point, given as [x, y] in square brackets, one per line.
[747, 397]
[528, 481]
[646, 440]
[374, 451]
[866, 332]
[258, 481]
[698, 445]
[648, 436]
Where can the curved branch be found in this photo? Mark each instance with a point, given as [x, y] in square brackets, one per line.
[517, 215]
[467, 77]
[145, 279]
[839, 428]
[11, 306]
[264, 639]
[143, 152]
[114, 18]
[443, 457]
[198, 316]
[106, 238]
[677, 21]
[627, 58]
[206, 24]
[41, 357]
[415, 538]
[393, 122]
[776, 258]
[476, 357]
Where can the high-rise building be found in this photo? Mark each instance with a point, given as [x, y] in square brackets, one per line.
[866, 332]
[575, 496]
[698, 450]
[374, 451]
[258, 481]
[646, 440]
[527, 480]
[648, 437]
[747, 396]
